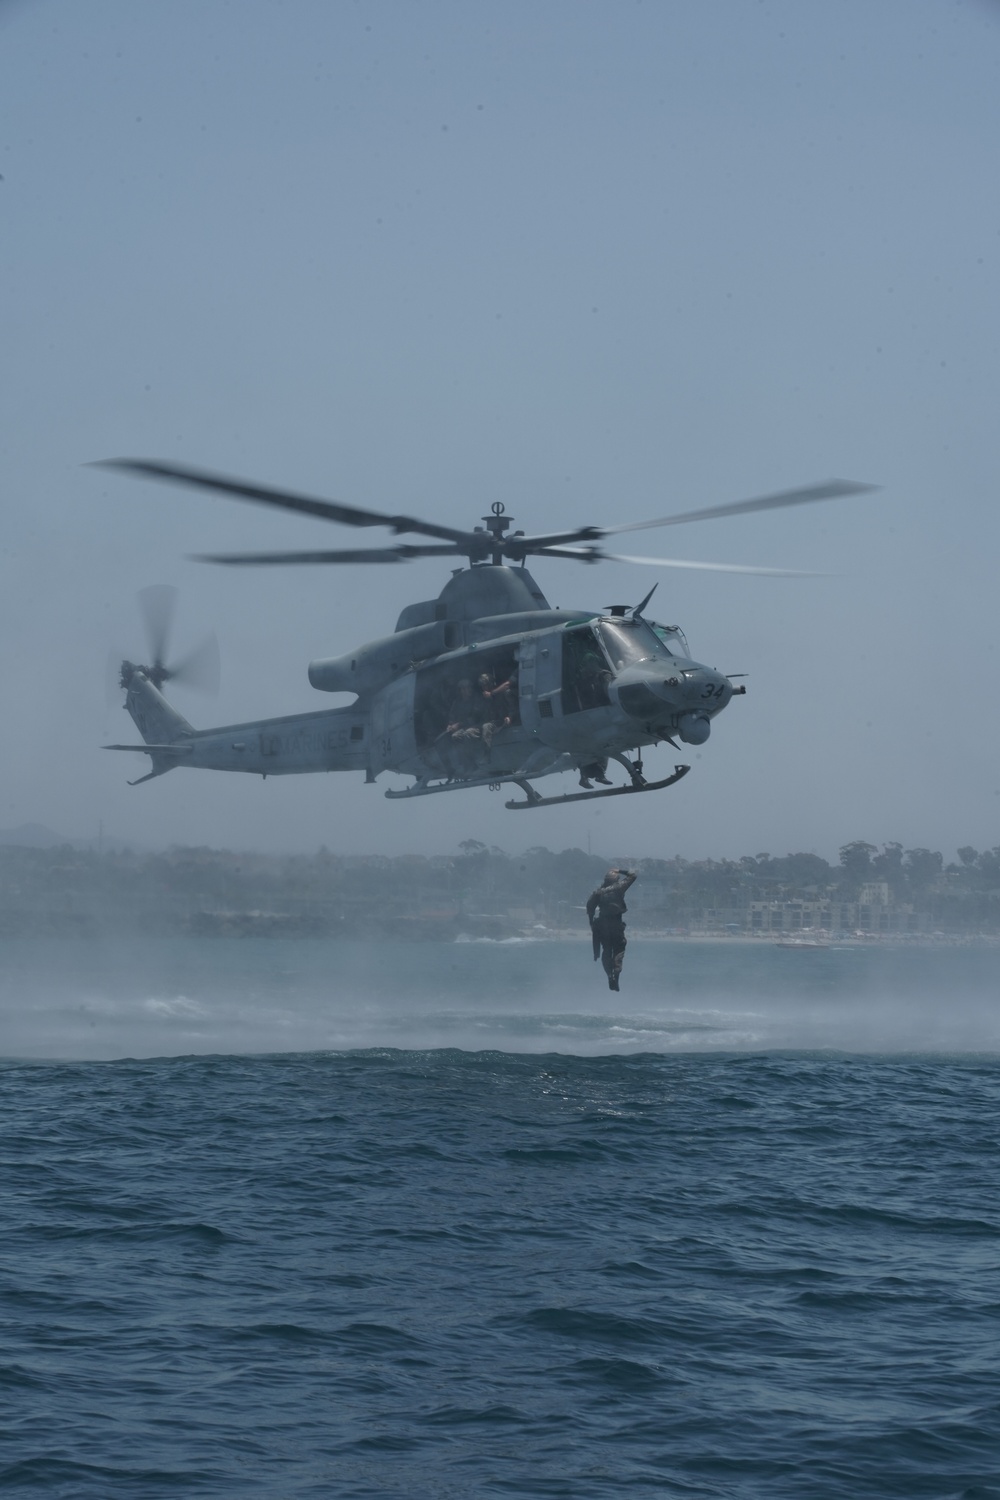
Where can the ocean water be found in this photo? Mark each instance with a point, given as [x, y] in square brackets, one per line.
[315, 1219]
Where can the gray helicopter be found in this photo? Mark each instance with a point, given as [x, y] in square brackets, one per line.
[483, 686]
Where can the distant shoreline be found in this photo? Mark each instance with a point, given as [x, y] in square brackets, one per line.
[248, 929]
[800, 943]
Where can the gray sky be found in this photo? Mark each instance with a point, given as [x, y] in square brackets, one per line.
[600, 261]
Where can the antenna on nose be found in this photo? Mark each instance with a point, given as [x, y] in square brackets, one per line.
[637, 612]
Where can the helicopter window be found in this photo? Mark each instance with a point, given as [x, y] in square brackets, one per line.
[585, 674]
[629, 641]
[673, 638]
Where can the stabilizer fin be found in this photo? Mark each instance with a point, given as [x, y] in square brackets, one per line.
[153, 749]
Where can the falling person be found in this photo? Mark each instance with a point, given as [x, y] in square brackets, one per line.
[606, 914]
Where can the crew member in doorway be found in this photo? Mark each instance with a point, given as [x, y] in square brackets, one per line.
[606, 914]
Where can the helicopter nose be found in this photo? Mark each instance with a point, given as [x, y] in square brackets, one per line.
[690, 696]
[705, 692]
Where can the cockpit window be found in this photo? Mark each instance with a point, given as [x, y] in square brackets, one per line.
[628, 641]
[673, 638]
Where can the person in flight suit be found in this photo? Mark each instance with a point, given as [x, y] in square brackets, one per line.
[606, 914]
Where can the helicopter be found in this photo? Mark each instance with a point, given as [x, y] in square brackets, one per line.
[487, 685]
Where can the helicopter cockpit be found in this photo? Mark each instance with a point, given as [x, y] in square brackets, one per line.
[592, 654]
[585, 671]
[673, 638]
[630, 641]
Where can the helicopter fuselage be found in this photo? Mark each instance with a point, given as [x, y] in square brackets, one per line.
[466, 697]
[484, 684]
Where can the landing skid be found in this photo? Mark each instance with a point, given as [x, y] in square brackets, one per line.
[420, 789]
[534, 800]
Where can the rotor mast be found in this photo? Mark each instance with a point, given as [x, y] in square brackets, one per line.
[497, 524]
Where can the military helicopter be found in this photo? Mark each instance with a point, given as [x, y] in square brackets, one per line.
[483, 686]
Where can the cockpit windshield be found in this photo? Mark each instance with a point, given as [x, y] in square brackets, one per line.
[628, 641]
[673, 638]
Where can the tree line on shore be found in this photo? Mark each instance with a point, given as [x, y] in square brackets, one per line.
[124, 886]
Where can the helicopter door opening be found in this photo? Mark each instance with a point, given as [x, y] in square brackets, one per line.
[462, 706]
[585, 672]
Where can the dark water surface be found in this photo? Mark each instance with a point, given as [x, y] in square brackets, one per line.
[592, 1261]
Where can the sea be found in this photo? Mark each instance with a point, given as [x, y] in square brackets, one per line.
[329, 1219]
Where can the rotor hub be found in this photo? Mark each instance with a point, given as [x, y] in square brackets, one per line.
[496, 524]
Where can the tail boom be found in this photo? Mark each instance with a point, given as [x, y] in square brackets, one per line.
[331, 740]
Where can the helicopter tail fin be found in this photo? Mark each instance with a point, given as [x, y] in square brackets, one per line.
[152, 715]
[163, 729]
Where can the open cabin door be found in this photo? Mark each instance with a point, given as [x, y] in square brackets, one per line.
[540, 669]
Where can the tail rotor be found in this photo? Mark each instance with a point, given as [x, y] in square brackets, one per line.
[198, 668]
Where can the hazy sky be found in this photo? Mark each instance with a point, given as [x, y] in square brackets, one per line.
[599, 260]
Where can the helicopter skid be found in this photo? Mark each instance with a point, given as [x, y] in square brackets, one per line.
[426, 790]
[534, 800]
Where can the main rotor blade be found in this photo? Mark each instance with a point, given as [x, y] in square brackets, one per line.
[594, 554]
[157, 604]
[831, 489]
[243, 489]
[342, 555]
[675, 562]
